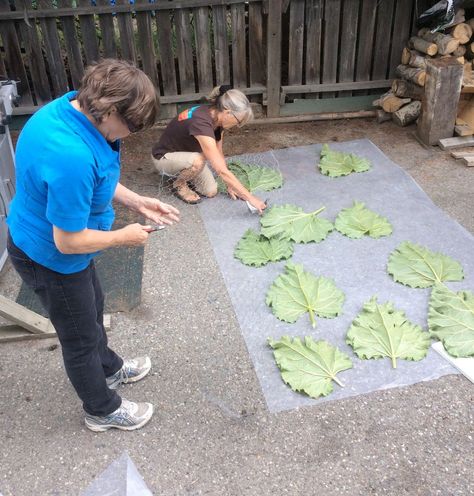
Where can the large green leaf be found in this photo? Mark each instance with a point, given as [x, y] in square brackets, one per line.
[417, 267]
[291, 222]
[257, 250]
[381, 331]
[451, 320]
[297, 292]
[253, 177]
[335, 164]
[358, 221]
[311, 366]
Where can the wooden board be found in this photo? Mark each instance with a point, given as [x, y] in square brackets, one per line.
[296, 38]
[107, 32]
[184, 51]
[256, 48]
[239, 59]
[401, 34]
[314, 15]
[73, 46]
[450, 143]
[347, 62]
[89, 34]
[332, 14]
[221, 44]
[274, 59]
[458, 155]
[382, 39]
[203, 49]
[127, 45]
[463, 130]
[145, 43]
[365, 45]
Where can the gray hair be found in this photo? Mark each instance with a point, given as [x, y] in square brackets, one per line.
[232, 100]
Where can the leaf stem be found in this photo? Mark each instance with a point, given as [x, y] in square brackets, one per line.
[316, 212]
[337, 381]
[394, 362]
[311, 316]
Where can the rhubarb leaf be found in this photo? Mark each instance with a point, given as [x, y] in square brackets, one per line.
[417, 267]
[381, 331]
[253, 177]
[309, 367]
[291, 222]
[334, 164]
[451, 320]
[257, 250]
[358, 221]
[296, 292]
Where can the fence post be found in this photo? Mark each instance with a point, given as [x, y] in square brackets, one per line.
[274, 58]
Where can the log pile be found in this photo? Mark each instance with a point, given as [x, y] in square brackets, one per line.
[402, 103]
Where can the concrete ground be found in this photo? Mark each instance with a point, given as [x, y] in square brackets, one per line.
[212, 434]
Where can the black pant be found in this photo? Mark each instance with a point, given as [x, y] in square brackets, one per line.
[75, 305]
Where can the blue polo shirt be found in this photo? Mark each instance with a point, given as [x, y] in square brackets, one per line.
[66, 176]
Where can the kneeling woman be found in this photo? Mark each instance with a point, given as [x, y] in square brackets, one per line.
[194, 137]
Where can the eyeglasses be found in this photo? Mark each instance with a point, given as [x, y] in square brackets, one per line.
[132, 127]
[237, 119]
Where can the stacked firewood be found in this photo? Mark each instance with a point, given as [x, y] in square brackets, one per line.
[402, 103]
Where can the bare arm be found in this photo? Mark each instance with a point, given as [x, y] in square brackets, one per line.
[216, 158]
[92, 240]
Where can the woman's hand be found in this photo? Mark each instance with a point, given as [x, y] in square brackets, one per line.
[157, 211]
[258, 204]
[232, 193]
[133, 235]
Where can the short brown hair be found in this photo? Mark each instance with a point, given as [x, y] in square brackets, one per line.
[118, 84]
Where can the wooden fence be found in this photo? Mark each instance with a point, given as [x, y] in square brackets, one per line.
[291, 55]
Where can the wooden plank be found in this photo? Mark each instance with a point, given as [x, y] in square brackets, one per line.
[463, 130]
[203, 49]
[239, 58]
[12, 333]
[166, 56]
[184, 51]
[24, 317]
[89, 35]
[459, 142]
[107, 30]
[274, 35]
[469, 161]
[401, 32]
[128, 8]
[349, 27]
[127, 45]
[73, 46]
[365, 44]
[383, 31]
[57, 71]
[192, 97]
[256, 48]
[352, 85]
[314, 17]
[332, 14]
[296, 38]
[13, 57]
[440, 100]
[146, 49]
[221, 44]
[344, 104]
[458, 155]
[34, 56]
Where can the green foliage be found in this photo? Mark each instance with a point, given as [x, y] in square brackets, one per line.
[291, 222]
[253, 177]
[418, 267]
[296, 292]
[358, 221]
[335, 164]
[381, 331]
[451, 320]
[257, 250]
[309, 367]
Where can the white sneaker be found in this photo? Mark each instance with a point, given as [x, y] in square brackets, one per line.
[132, 371]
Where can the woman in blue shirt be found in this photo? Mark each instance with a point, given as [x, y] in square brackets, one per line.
[68, 168]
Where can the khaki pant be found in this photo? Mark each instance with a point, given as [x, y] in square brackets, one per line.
[171, 164]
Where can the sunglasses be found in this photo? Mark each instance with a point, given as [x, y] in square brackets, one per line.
[132, 127]
[237, 119]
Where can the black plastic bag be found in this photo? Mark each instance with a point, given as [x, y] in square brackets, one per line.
[439, 16]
